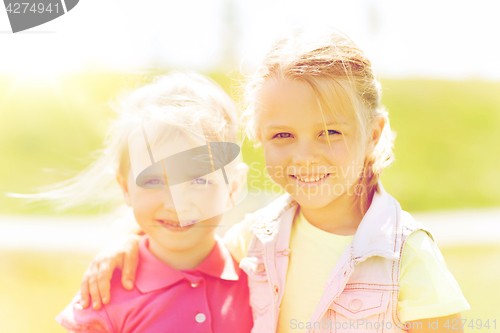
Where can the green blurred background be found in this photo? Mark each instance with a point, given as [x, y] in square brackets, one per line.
[446, 147]
[51, 122]
[446, 158]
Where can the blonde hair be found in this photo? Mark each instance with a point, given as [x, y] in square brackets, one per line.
[179, 101]
[342, 79]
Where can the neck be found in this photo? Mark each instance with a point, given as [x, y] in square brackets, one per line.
[341, 216]
[183, 259]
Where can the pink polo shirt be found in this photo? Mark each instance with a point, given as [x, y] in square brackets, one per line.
[213, 297]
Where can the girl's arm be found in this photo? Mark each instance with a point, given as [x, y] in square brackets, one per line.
[436, 325]
[122, 254]
[427, 287]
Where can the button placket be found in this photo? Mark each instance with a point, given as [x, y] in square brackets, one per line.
[194, 281]
[200, 318]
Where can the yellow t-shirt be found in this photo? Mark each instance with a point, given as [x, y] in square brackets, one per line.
[427, 288]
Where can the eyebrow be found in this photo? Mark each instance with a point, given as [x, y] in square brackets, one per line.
[330, 123]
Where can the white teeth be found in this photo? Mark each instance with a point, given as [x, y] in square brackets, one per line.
[311, 179]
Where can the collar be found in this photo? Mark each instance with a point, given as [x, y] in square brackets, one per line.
[220, 263]
[153, 274]
[378, 231]
[273, 217]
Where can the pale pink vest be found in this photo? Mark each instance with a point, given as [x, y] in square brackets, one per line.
[361, 294]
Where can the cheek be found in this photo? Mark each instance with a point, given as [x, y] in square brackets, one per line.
[277, 159]
[208, 226]
[347, 162]
[342, 152]
[145, 199]
[337, 154]
[211, 201]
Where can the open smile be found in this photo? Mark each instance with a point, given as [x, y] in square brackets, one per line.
[174, 225]
[311, 179]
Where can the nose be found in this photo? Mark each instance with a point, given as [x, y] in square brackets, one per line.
[305, 153]
[176, 201]
[168, 201]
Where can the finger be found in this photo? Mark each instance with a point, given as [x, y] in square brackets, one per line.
[85, 291]
[94, 289]
[103, 280]
[130, 263]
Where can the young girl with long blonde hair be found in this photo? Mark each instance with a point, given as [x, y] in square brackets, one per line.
[336, 253]
[166, 150]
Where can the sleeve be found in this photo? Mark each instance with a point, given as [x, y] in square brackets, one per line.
[427, 288]
[76, 319]
[238, 237]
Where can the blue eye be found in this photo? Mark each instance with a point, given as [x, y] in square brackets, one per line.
[282, 136]
[153, 182]
[200, 181]
[330, 132]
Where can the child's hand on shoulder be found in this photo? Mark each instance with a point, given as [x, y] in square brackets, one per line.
[122, 254]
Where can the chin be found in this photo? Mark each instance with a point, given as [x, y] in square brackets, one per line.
[181, 246]
[313, 202]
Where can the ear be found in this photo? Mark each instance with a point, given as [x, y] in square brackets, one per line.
[377, 127]
[123, 182]
[237, 183]
[258, 139]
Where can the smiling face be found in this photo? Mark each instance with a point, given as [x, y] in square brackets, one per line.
[299, 158]
[158, 207]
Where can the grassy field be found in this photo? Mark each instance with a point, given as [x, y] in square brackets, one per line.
[447, 143]
[35, 287]
[446, 158]
[446, 146]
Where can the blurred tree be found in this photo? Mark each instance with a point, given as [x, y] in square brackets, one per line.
[230, 34]
[373, 18]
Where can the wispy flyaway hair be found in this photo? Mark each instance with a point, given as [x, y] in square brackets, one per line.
[175, 102]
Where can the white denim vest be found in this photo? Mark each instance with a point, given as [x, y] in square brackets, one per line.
[361, 294]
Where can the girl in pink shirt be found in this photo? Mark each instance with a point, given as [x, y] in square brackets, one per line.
[174, 155]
